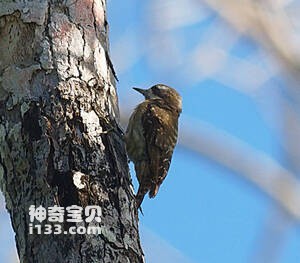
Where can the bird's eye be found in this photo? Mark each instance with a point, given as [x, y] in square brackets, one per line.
[155, 90]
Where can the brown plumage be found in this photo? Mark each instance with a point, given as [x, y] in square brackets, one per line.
[151, 137]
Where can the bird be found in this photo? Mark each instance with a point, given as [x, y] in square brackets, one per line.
[151, 137]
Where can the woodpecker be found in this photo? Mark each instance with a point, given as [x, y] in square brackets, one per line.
[151, 136]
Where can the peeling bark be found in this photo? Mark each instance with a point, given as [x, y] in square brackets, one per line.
[60, 143]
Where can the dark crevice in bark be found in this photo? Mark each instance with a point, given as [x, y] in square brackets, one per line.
[31, 123]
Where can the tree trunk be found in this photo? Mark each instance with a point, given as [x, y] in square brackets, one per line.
[60, 143]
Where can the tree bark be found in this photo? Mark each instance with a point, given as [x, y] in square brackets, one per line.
[60, 142]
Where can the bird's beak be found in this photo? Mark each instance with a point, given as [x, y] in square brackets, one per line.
[142, 91]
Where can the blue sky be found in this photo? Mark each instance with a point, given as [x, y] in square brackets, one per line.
[203, 212]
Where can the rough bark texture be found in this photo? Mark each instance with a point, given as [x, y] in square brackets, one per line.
[58, 117]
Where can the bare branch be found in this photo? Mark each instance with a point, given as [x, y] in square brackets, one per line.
[267, 22]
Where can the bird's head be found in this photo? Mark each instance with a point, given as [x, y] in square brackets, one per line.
[165, 93]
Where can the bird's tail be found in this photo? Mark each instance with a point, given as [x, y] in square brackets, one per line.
[140, 196]
[153, 191]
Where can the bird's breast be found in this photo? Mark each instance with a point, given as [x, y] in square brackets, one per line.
[135, 141]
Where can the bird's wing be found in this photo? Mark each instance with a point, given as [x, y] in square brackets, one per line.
[160, 131]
